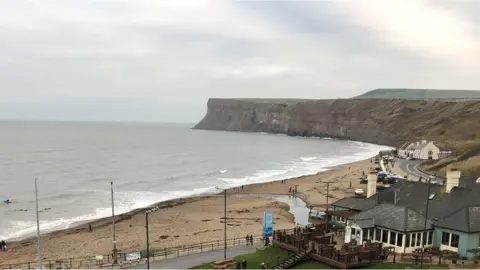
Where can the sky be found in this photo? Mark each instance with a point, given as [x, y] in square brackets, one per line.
[160, 60]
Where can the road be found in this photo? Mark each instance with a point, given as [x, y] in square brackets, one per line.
[409, 167]
[186, 262]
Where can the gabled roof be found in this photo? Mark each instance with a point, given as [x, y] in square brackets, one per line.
[394, 216]
[359, 204]
[465, 220]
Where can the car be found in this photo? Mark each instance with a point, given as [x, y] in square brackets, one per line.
[359, 191]
[363, 180]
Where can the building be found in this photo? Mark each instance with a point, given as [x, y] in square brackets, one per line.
[397, 217]
[420, 150]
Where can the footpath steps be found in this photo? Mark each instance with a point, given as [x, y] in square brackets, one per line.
[224, 264]
[292, 260]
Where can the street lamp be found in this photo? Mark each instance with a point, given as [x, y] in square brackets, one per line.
[225, 220]
[429, 197]
[148, 239]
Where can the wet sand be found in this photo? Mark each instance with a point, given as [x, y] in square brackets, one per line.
[193, 220]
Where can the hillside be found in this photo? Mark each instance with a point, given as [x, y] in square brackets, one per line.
[420, 94]
[389, 122]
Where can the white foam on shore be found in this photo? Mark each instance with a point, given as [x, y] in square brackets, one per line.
[125, 202]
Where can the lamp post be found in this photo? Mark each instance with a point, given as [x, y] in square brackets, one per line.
[113, 225]
[225, 220]
[426, 221]
[39, 252]
[147, 233]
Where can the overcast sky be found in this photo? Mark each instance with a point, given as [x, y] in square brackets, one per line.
[161, 60]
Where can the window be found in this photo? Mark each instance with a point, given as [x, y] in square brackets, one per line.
[384, 236]
[378, 234]
[414, 239]
[370, 233]
[365, 234]
[455, 240]
[400, 240]
[430, 238]
[393, 238]
[425, 235]
[407, 240]
[352, 233]
[419, 239]
[445, 238]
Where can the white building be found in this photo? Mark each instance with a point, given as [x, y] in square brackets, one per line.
[420, 150]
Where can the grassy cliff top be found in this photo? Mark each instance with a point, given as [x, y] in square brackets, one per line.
[416, 94]
[274, 100]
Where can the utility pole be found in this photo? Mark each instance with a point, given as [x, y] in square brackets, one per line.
[39, 252]
[225, 216]
[426, 221]
[328, 189]
[148, 240]
[113, 223]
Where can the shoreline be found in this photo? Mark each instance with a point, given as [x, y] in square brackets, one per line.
[309, 190]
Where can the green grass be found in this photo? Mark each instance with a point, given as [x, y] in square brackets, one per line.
[420, 94]
[267, 256]
[311, 265]
[405, 265]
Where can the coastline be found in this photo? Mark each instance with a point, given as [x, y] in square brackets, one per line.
[180, 221]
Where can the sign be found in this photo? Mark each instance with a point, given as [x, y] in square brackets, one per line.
[133, 256]
[267, 223]
[99, 257]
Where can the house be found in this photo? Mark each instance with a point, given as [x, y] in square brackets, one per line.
[398, 217]
[420, 150]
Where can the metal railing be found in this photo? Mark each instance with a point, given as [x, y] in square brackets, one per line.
[156, 254]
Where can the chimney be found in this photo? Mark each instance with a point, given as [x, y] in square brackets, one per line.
[453, 179]
[372, 184]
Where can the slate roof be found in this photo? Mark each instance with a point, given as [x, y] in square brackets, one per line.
[445, 209]
[393, 216]
[359, 204]
[465, 220]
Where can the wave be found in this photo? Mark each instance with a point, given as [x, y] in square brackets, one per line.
[125, 201]
[308, 158]
[215, 173]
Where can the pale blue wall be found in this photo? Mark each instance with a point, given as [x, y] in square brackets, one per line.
[466, 241]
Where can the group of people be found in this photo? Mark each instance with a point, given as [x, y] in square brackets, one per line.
[292, 190]
[3, 246]
[249, 239]
[241, 265]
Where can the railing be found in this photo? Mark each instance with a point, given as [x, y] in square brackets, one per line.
[156, 254]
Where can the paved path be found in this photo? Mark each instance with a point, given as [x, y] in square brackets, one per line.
[185, 262]
[410, 167]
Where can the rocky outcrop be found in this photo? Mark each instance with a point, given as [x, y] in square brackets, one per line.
[454, 124]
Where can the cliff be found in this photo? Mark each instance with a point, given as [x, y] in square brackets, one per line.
[453, 124]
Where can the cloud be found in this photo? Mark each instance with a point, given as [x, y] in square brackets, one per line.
[174, 55]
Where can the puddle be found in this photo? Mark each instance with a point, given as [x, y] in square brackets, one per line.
[298, 208]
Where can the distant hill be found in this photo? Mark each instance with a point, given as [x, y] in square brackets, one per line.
[419, 94]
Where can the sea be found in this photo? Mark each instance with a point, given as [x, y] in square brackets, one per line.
[74, 164]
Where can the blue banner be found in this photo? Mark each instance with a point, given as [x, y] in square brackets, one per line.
[267, 224]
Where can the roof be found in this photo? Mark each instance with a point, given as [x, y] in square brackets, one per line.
[393, 216]
[359, 204]
[342, 213]
[366, 223]
[465, 220]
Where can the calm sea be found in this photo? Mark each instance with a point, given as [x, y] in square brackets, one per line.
[148, 163]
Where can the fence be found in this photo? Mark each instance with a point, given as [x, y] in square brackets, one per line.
[156, 254]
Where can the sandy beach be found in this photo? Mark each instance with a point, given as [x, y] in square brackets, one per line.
[193, 220]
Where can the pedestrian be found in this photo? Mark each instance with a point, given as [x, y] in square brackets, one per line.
[2, 244]
[290, 190]
[238, 265]
[247, 239]
[251, 240]
[90, 227]
[242, 187]
[262, 266]
[244, 264]
[296, 186]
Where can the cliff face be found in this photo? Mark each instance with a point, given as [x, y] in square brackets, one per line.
[454, 124]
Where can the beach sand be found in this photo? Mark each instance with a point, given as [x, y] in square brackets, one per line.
[193, 220]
